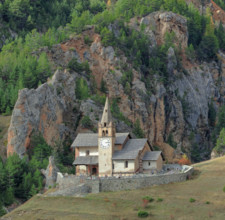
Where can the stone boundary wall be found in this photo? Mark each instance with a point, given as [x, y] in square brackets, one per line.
[143, 182]
[112, 184]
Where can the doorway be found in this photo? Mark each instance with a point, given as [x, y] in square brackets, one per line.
[94, 171]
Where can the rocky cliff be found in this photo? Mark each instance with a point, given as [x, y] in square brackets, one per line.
[177, 110]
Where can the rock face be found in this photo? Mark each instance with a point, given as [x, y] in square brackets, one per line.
[50, 173]
[43, 110]
[178, 109]
[159, 24]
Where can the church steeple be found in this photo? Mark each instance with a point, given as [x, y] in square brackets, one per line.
[106, 116]
[106, 141]
[106, 126]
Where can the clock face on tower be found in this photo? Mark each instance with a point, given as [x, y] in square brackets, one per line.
[104, 143]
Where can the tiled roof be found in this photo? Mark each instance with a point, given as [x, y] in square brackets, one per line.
[130, 150]
[152, 155]
[86, 160]
[91, 140]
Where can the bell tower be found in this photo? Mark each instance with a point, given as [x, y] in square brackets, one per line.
[106, 141]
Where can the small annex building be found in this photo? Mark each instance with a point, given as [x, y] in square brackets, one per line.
[108, 153]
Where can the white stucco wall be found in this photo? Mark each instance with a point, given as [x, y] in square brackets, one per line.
[119, 166]
[153, 165]
[82, 169]
[92, 151]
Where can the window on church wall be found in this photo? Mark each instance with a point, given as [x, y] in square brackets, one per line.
[87, 152]
[149, 163]
[103, 133]
[126, 164]
[106, 132]
[104, 124]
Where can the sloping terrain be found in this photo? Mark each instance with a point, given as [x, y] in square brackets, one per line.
[206, 186]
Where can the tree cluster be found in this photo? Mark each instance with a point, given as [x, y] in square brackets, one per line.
[22, 178]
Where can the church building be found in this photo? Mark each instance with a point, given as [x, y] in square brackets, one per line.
[108, 153]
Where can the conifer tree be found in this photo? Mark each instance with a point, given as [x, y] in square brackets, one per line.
[2, 210]
[139, 133]
[32, 191]
[9, 196]
[220, 143]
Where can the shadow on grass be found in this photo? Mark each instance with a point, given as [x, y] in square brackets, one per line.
[194, 175]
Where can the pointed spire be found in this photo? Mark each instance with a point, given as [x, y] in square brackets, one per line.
[106, 116]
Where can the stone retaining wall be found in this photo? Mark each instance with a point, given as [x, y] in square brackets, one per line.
[142, 182]
[124, 183]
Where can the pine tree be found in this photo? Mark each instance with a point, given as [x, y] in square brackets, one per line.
[8, 196]
[103, 87]
[14, 170]
[2, 177]
[32, 191]
[139, 133]
[2, 210]
[43, 68]
[220, 143]
[220, 33]
[82, 90]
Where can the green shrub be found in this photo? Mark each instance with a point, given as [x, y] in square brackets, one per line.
[2, 210]
[220, 142]
[82, 90]
[139, 133]
[192, 200]
[148, 198]
[159, 200]
[171, 141]
[224, 189]
[99, 99]
[142, 214]
[207, 202]
[86, 122]
[87, 40]
[103, 87]
[78, 67]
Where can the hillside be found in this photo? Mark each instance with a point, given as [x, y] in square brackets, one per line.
[162, 65]
[206, 185]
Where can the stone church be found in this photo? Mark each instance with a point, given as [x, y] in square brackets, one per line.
[108, 153]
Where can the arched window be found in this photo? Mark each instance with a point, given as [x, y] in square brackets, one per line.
[106, 132]
[104, 124]
[126, 164]
[103, 133]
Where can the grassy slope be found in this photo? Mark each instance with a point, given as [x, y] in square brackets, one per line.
[207, 186]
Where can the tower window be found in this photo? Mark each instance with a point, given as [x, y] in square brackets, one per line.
[126, 164]
[87, 152]
[103, 133]
[104, 124]
[106, 132]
